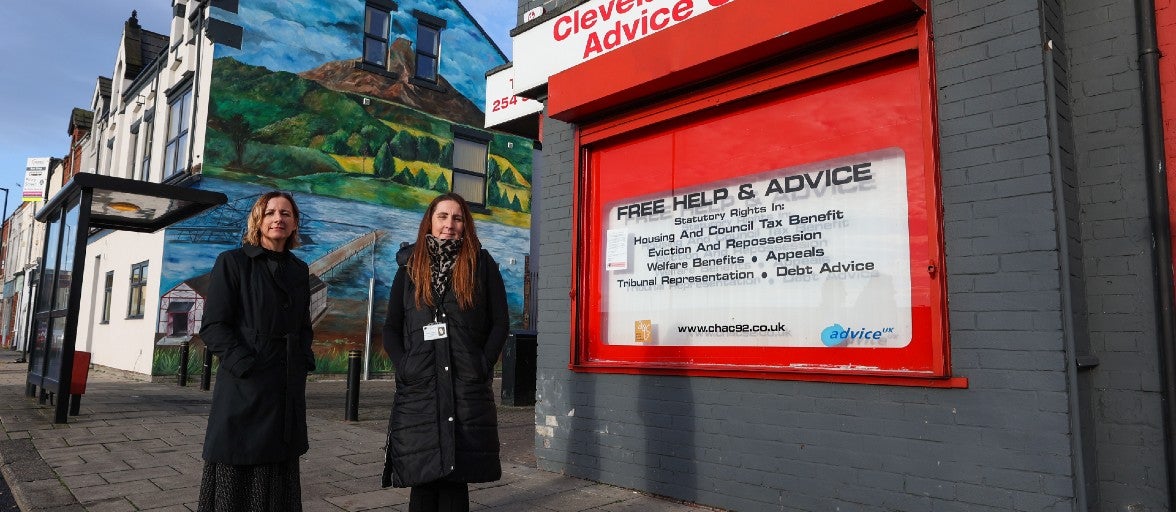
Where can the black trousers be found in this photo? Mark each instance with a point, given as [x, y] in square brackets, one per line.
[439, 496]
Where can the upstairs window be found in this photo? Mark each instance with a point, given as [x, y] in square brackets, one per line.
[469, 166]
[148, 141]
[377, 19]
[133, 155]
[428, 45]
[178, 120]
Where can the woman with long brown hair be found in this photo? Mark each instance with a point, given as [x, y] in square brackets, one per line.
[257, 321]
[446, 324]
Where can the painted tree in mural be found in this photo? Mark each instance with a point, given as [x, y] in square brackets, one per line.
[370, 144]
[442, 184]
[384, 165]
[336, 143]
[240, 133]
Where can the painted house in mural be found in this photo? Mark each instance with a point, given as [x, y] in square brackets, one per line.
[181, 308]
[365, 111]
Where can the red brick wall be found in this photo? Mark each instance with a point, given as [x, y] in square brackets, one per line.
[1166, 34]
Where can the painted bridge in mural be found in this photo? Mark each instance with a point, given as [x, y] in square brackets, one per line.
[181, 308]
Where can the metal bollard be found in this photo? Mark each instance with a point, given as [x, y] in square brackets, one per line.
[206, 377]
[183, 364]
[354, 364]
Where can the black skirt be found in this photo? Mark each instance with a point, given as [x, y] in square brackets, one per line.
[263, 487]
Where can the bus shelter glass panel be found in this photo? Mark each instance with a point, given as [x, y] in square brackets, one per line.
[53, 297]
[68, 229]
[37, 352]
[49, 268]
[44, 300]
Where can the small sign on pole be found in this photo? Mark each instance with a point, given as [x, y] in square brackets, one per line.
[36, 176]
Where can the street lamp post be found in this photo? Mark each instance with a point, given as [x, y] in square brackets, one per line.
[3, 255]
[3, 217]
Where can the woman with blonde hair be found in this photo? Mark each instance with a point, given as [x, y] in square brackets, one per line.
[446, 324]
[257, 321]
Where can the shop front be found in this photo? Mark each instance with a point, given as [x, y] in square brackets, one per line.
[808, 256]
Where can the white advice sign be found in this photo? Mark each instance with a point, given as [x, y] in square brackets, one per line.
[816, 255]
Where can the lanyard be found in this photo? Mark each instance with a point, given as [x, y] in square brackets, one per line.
[439, 309]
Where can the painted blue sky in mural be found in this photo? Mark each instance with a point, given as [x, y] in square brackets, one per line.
[296, 36]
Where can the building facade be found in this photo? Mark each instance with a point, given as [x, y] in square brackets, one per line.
[947, 297]
[364, 111]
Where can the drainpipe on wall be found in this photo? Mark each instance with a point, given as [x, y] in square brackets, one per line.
[1149, 74]
[199, 37]
[1077, 441]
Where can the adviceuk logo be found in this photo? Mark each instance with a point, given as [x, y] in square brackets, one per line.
[837, 335]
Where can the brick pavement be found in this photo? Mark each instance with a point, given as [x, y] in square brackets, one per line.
[136, 446]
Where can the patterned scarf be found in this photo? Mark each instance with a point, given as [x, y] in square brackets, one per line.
[442, 256]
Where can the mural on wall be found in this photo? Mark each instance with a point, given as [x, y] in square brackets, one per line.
[362, 150]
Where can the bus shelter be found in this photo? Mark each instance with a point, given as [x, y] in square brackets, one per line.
[87, 204]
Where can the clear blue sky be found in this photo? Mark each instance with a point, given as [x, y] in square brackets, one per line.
[54, 50]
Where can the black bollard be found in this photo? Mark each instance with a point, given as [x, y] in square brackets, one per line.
[183, 363]
[354, 363]
[206, 377]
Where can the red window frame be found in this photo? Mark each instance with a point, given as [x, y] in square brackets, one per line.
[925, 361]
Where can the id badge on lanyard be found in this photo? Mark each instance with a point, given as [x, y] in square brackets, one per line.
[436, 331]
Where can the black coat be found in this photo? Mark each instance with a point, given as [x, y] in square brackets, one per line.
[444, 423]
[257, 322]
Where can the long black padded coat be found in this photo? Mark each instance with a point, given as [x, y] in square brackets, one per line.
[257, 321]
[444, 424]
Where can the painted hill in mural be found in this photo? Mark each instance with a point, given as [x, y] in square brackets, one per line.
[443, 101]
[286, 131]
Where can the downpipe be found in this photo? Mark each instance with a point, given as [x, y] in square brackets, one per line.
[1149, 67]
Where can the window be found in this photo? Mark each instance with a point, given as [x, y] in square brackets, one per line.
[179, 323]
[428, 45]
[178, 313]
[148, 139]
[106, 292]
[138, 287]
[428, 48]
[106, 170]
[375, 35]
[133, 155]
[176, 152]
[469, 168]
[845, 290]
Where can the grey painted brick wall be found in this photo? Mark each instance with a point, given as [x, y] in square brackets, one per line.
[1001, 444]
[1106, 122]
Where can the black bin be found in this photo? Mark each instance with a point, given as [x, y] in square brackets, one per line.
[518, 369]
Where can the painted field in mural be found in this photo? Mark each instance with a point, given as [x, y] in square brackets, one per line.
[362, 152]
